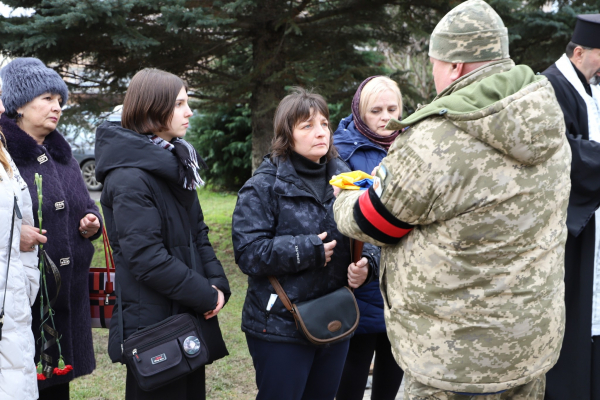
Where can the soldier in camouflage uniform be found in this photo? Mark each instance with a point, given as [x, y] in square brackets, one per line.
[469, 207]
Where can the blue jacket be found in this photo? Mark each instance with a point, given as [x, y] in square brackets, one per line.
[362, 154]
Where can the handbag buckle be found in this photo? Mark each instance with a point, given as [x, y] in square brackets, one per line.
[106, 300]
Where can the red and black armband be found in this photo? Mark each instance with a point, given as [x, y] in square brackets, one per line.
[376, 221]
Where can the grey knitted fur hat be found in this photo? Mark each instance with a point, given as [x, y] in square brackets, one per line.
[23, 79]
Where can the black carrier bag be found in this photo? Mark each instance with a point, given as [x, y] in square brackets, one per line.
[166, 351]
[162, 353]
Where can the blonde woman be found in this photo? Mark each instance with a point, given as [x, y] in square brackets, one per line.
[362, 141]
[19, 283]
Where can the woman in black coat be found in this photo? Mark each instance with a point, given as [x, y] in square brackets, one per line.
[283, 225]
[154, 222]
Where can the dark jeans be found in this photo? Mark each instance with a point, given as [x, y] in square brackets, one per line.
[190, 387]
[56, 392]
[387, 375]
[286, 371]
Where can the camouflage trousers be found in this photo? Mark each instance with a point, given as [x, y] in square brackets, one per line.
[414, 390]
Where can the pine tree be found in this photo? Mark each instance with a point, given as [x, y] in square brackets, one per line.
[251, 51]
[230, 52]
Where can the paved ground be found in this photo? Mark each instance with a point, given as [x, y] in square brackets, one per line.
[367, 395]
[95, 195]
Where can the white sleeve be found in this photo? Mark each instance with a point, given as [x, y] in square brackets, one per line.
[29, 258]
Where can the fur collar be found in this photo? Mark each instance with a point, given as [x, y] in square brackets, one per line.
[23, 148]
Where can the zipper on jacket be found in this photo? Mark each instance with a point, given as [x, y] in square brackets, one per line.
[158, 340]
[266, 321]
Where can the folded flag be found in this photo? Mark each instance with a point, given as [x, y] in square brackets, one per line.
[355, 180]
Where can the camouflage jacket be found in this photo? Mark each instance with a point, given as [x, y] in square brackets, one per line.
[474, 294]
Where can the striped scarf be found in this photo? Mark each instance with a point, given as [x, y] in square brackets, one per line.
[189, 161]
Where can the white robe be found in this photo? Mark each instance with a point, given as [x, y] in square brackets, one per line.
[565, 66]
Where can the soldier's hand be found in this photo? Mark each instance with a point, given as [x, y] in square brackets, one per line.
[374, 172]
[327, 246]
[357, 273]
[336, 190]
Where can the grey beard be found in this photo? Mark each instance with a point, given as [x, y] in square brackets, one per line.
[595, 80]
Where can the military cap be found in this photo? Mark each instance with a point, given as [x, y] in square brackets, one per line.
[470, 32]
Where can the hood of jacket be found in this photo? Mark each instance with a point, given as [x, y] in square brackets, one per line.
[117, 147]
[348, 139]
[488, 104]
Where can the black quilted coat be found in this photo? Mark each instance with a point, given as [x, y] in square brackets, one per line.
[275, 226]
[149, 218]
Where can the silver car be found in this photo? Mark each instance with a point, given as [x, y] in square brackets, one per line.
[87, 159]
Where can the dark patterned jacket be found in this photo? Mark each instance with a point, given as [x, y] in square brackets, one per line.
[65, 202]
[275, 226]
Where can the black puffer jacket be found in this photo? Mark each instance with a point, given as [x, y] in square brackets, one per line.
[275, 226]
[149, 218]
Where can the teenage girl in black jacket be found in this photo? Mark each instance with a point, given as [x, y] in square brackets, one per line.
[151, 207]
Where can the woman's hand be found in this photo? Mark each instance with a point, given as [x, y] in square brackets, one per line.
[30, 237]
[220, 304]
[357, 273]
[327, 246]
[89, 225]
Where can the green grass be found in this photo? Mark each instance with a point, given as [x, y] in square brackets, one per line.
[228, 378]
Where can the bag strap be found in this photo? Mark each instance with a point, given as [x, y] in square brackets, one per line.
[120, 308]
[16, 212]
[110, 262]
[357, 248]
[282, 294]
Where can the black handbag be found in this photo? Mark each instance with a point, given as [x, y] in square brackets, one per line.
[326, 319]
[166, 351]
[162, 353]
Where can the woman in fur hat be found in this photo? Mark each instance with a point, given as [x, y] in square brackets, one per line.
[33, 96]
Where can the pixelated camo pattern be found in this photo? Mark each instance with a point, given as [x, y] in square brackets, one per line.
[414, 390]
[474, 294]
[471, 32]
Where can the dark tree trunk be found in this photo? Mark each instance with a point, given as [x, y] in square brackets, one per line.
[267, 91]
